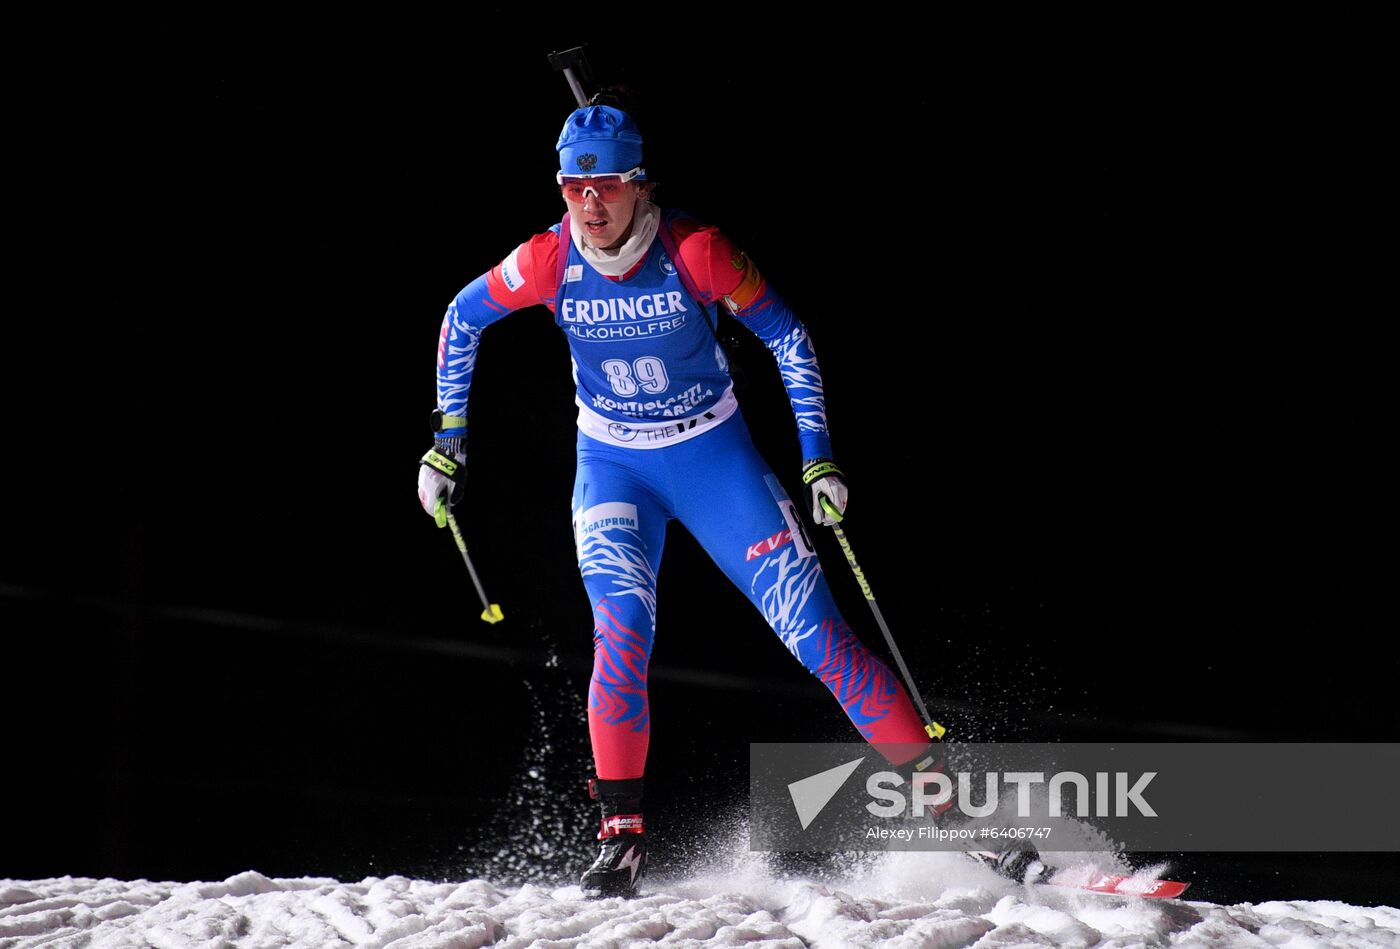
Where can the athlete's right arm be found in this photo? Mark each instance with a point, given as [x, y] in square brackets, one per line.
[524, 278]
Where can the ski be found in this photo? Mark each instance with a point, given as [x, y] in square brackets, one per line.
[1123, 886]
[1021, 865]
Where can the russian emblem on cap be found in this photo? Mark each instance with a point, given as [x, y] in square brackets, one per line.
[587, 162]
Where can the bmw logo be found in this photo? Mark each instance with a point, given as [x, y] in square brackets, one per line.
[668, 268]
[623, 433]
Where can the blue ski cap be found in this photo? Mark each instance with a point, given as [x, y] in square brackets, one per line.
[599, 140]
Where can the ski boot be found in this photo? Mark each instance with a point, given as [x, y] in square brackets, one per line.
[622, 856]
[1017, 860]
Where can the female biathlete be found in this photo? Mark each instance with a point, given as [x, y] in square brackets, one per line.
[636, 291]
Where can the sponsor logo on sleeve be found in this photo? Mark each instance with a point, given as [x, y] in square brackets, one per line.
[749, 285]
[510, 272]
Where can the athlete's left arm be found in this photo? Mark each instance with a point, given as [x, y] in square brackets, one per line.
[728, 274]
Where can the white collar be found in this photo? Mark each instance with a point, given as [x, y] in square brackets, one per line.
[646, 218]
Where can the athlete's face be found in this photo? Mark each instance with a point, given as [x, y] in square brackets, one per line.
[604, 224]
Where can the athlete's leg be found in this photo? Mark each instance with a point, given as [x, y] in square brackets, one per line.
[757, 538]
[619, 528]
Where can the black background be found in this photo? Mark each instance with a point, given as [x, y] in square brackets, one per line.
[1099, 305]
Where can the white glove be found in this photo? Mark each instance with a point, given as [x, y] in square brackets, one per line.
[441, 475]
[824, 480]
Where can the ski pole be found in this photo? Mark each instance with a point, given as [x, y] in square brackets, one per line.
[935, 730]
[565, 61]
[492, 612]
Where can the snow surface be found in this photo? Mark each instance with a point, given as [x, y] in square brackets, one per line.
[901, 900]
